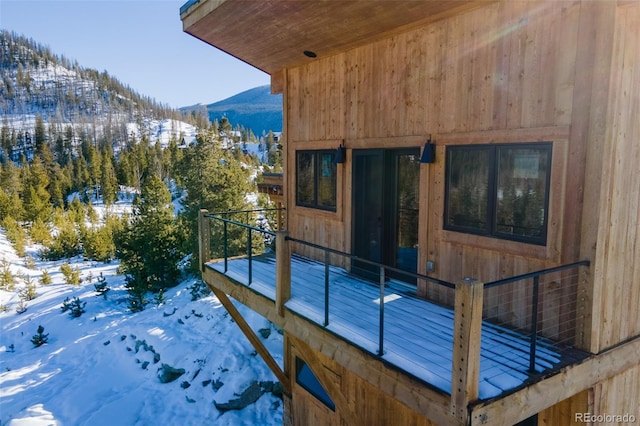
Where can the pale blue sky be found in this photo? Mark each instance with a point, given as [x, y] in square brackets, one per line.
[140, 42]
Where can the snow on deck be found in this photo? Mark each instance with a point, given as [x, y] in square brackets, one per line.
[418, 335]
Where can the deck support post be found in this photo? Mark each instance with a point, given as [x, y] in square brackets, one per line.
[467, 330]
[204, 238]
[283, 271]
[253, 339]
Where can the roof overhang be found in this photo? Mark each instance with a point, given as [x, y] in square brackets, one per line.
[274, 34]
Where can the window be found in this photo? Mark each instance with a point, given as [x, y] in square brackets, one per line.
[309, 381]
[316, 179]
[499, 190]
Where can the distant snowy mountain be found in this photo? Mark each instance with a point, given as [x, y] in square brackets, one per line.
[256, 109]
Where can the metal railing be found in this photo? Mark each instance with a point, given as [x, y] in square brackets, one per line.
[527, 289]
[268, 236]
[531, 301]
[383, 271]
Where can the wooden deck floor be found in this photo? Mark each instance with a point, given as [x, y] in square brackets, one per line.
[418, 335]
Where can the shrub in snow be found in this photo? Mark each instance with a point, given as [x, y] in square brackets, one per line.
[75, 307]
[101, 286]
[29, 262]
[66, 243]
[45, 278]
[40, 232]
[199, 289]
[7, 280]
[28, 292]
[71, 275]
[21, 308]
[159, 297]
[136, 299]
[15, 234]
[40, 338]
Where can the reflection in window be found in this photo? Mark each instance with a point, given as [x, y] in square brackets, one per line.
[499, 190]
[316, 179]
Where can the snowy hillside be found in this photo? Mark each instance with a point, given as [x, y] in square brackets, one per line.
[108, 366]
[79, 102]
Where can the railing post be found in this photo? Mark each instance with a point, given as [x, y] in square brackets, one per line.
[226, 245]
[250, 254]
[381, 333]
[204, 238]
[283, 271]
[534, 325]
[466, 347]
[326, 288]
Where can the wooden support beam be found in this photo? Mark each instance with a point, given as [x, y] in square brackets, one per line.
[546, 393]
[204, 238]
[344, 408]
[466, 347]
[283, 271]
[254, 339]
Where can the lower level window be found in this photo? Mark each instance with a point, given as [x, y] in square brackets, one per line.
[499, 190]
[316, 179]
[309, 381]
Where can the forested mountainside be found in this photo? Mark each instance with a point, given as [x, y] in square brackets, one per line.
[256, 109]
[67, 140]
[73, 99]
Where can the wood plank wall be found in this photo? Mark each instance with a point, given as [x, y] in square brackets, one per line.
[617, 271]
[367, 403]
[505, 72]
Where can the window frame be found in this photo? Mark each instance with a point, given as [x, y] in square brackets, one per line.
[491, 227]
[317, 164]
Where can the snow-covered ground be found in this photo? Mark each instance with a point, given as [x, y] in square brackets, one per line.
[103, 368]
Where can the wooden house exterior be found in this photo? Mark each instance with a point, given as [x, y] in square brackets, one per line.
[511, 95]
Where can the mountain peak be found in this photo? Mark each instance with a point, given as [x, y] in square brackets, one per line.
[256, 109]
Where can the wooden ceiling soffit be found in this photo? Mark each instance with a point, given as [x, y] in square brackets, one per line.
[274, 34]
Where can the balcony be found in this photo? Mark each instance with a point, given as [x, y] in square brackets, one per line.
[468, 334]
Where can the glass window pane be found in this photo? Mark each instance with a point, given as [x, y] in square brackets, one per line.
[522, 191]
[327, 181]
[309, 381]
[305, 178]
[408, 169]
[468, 184]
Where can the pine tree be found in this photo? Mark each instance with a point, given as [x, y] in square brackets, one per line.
[149, 247]
[108, 180]
[215, 181]
[36, 197]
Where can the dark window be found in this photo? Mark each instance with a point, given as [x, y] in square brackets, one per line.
[316, 179]
[309, 381]
[499, 190]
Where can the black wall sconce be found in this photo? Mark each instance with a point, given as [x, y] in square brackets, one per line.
[341, 154]
[428, 152]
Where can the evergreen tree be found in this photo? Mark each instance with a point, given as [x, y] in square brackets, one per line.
[149, 247]
[108, 180]
[36, 197]
[40, 135]
[215, 181]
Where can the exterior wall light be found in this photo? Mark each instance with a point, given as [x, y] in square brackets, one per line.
[428, 152]
[341, 154]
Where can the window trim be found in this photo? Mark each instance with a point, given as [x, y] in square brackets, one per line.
[490, 229]
[317, 155]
